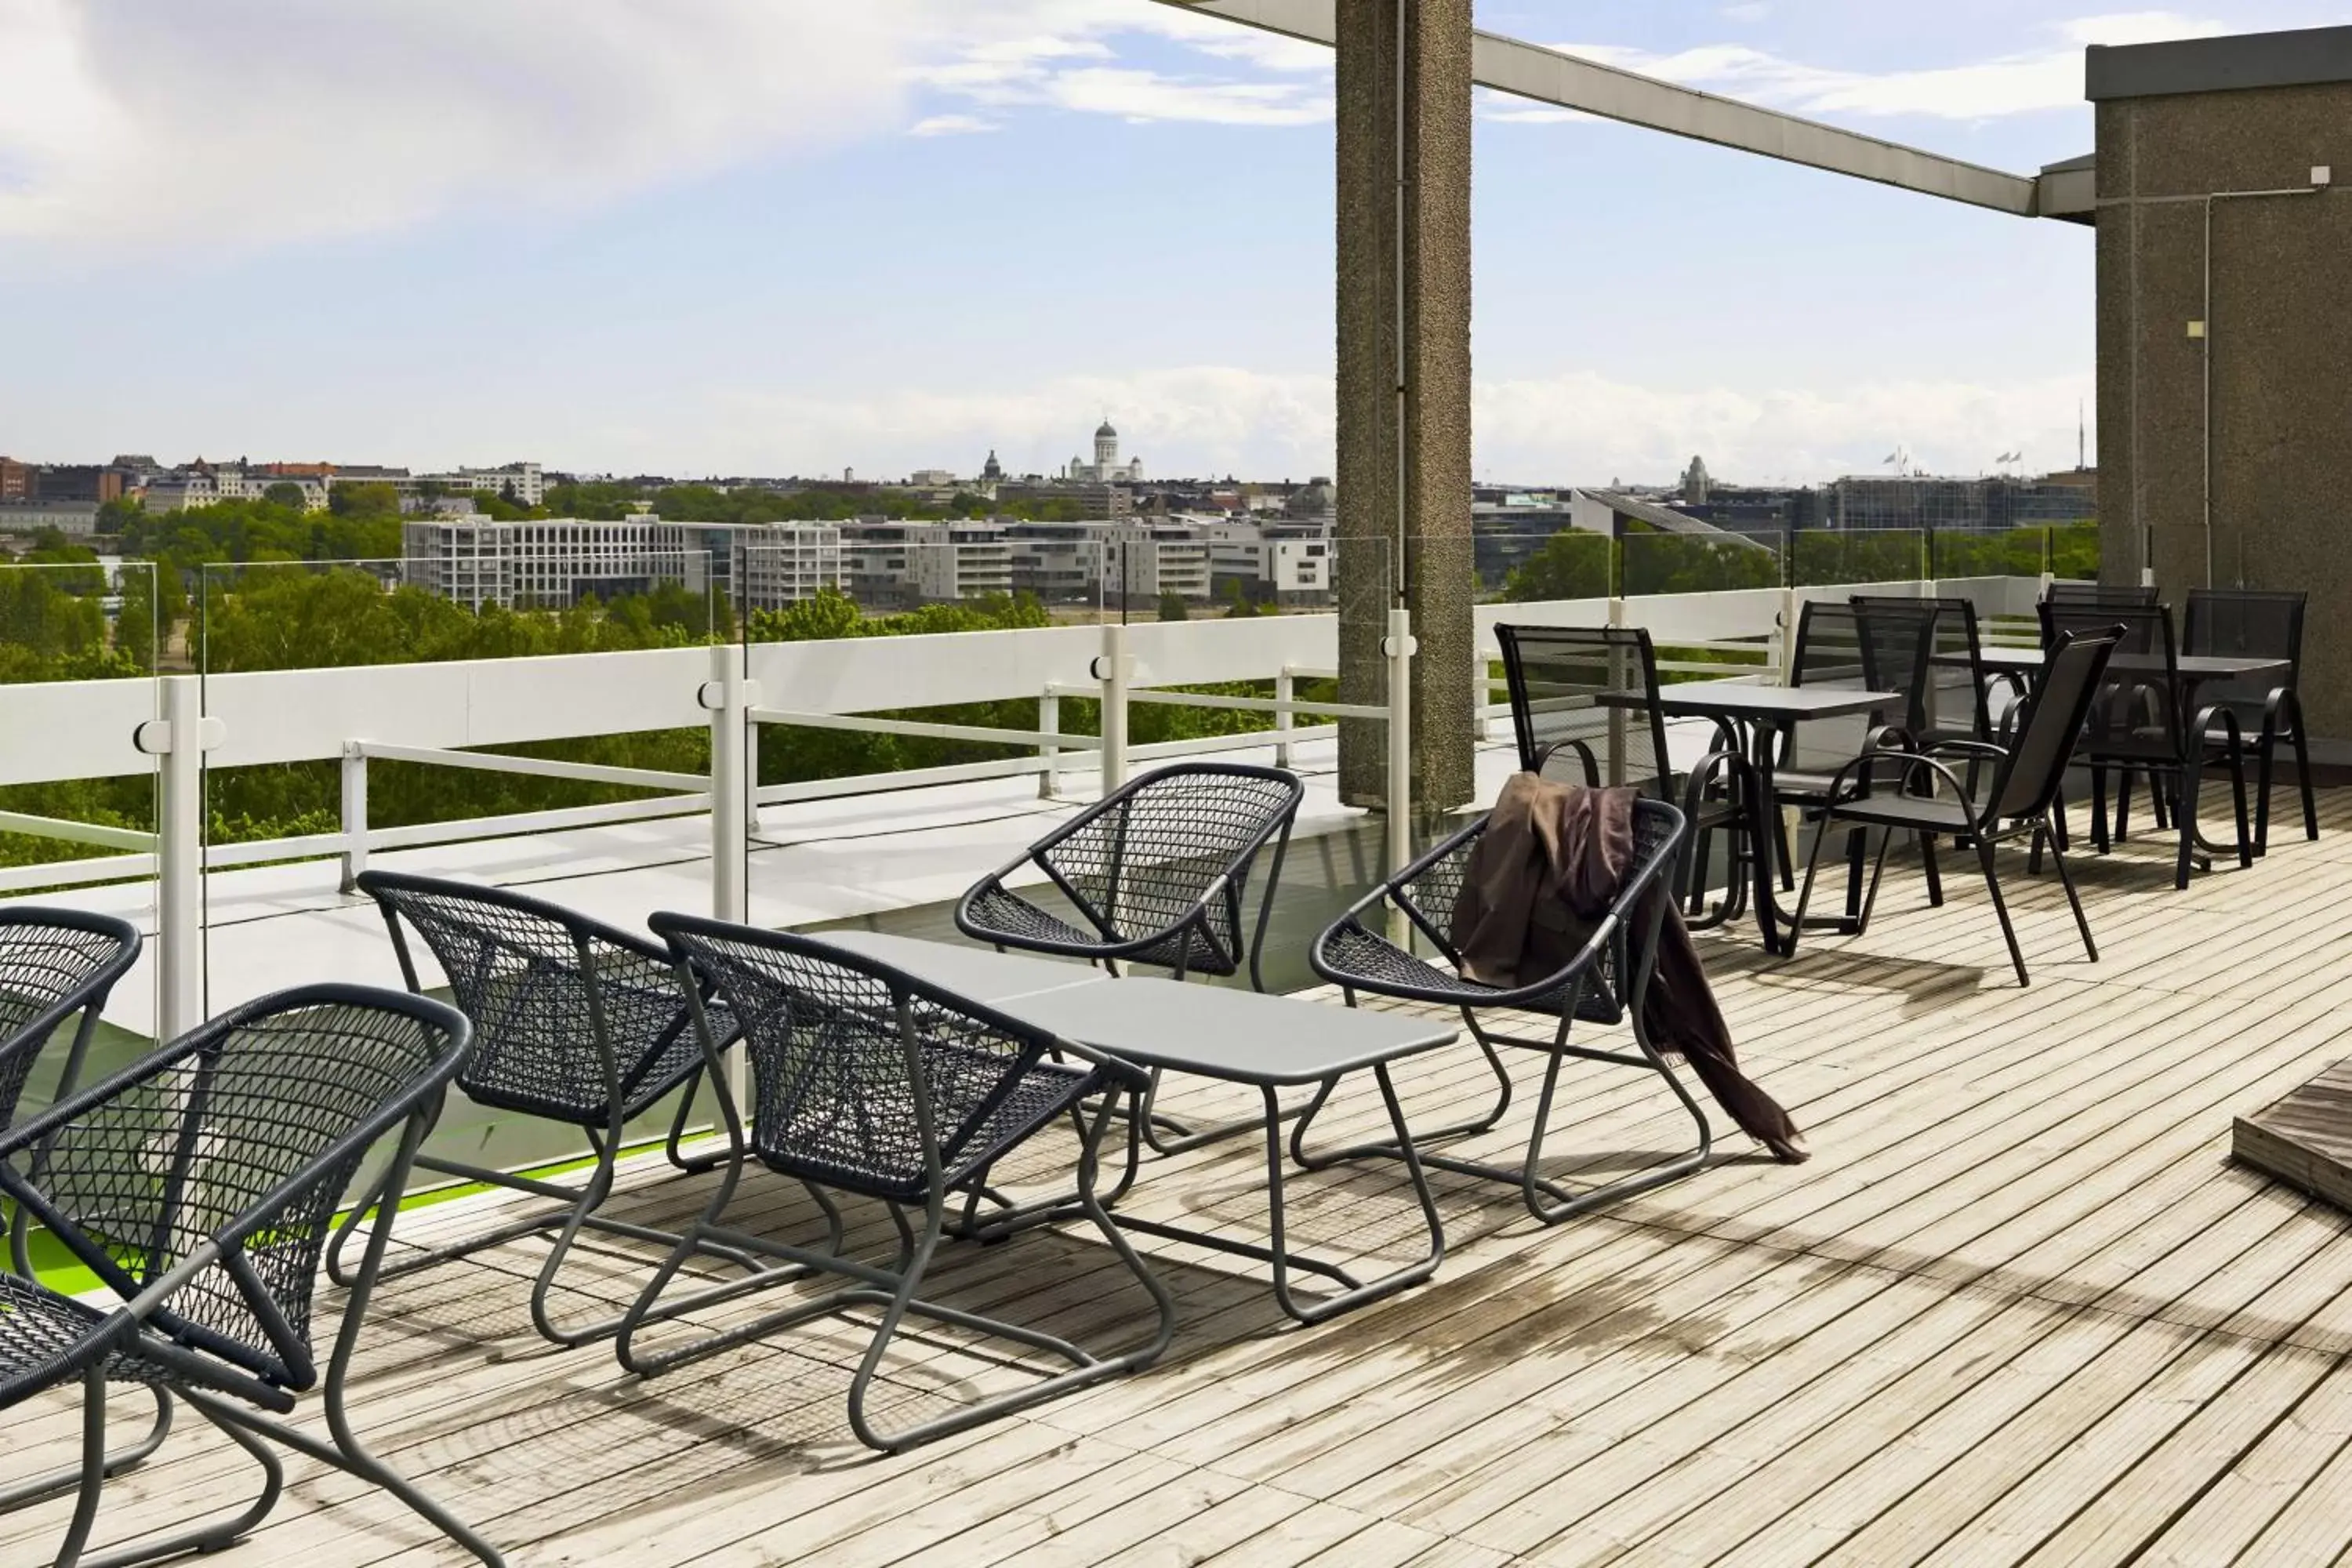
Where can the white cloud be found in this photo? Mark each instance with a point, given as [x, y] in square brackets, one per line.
[120, 118]
[1581, 426]
[951, 125]
[2009, 84]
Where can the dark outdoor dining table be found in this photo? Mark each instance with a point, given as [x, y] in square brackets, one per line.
[1761, 716]
[2195, 669]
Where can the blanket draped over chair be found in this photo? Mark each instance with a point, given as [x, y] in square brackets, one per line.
[1539, 882]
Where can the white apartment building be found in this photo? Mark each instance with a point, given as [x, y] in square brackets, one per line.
[926, 562]
[544, 564]
[522, 483]
[762, 566]
[1288, 564]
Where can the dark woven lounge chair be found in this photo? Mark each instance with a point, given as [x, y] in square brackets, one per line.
[574, 1022]
[1605, 983]
[866, 1080]
[1923, 793]
[198, 1186]
[54, 964]
[1159, 871]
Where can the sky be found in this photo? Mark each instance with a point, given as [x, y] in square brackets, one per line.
[778, 237]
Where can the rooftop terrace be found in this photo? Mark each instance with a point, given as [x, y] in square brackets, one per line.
[2018, 1308]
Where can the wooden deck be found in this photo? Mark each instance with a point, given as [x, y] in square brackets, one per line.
[2018, 1308]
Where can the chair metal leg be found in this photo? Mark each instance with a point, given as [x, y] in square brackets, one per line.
[2000, 907]
[1797, 921]
[2188, 779]
[2124, 778]
[2073, 901]
[1935, 872]
[2303, 777]
[220, 1534]
[577, 1212]
[21, 1494]
[672, 1148]
[894, 1290]
[93, 1466]
[2099, 840]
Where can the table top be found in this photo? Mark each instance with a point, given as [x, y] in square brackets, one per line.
[1211, 1031]
[2195, 666]
[979, 972]
[1741, 699]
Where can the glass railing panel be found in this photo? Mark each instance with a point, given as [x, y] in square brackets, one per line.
[1696, 563]
[1827, 558]
[326, 768]
[82, 637]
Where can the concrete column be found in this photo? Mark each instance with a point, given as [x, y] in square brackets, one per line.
[1404, 382]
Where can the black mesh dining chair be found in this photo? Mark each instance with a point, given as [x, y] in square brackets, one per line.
[2068, 595]
[1606, 984]
[1585, 707]
[574, 1022]
[2143, 724]
[868, 1080]
[199, 1185]
[2260, 624]
[1954, 697]
[1897, 790]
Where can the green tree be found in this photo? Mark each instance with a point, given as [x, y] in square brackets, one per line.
[1567, 565]
[286, 494]
[1172, 607]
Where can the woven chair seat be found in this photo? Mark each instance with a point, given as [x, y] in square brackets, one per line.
[1380, 964]
[46, 1338]
[1009, 915]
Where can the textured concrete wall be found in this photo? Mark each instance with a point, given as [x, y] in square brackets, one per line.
[2279, 338]
[1430, 272]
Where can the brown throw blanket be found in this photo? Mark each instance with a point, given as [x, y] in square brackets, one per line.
[1542, 877]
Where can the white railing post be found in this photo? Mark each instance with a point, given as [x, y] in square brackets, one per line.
[1286, 690]
[728, 696]
[1398, 649]
[1112, 669]
[356, 814]
[181, 737]
[1784, 650]
[1049, 758]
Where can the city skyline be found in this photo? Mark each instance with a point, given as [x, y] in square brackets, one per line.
[978, 226]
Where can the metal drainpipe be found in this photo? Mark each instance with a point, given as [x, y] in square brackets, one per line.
[2206, 437]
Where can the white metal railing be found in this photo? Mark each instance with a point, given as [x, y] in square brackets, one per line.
[444, 715]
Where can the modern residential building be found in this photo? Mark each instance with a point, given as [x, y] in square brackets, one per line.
[1285, 564]
[545, 563]
[905, 563]
[17, 481]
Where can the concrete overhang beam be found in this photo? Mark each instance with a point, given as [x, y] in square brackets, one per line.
[1549, 77]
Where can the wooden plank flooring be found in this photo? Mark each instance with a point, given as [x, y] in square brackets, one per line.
[2021, 1306]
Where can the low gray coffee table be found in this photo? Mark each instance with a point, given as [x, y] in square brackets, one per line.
[1266, 1043]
